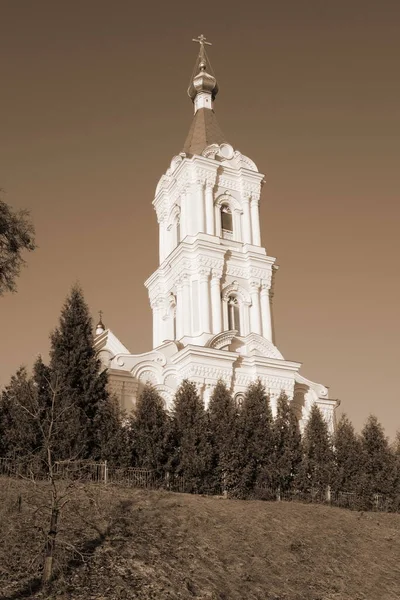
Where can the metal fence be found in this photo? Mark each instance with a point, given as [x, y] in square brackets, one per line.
[89, 471]
[350, 500]
[102, 473]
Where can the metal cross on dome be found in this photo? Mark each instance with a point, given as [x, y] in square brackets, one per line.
[201, 40]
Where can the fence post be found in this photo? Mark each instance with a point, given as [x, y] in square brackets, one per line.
[328, 494]
[105, 472]
[278, 494]
[224, 490]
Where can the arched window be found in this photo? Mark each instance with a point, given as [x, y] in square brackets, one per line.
[226, 222]
[233, 314]
[239, 398]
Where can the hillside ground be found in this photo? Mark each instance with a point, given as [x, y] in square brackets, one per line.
[118, 543]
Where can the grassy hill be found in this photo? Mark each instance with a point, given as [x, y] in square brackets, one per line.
[121, 543]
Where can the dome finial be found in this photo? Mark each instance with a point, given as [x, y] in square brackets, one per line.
[202, 53]
[203, 86]
[100, 325]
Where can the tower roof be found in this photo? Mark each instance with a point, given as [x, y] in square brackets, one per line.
[202, 90]
[203, 131]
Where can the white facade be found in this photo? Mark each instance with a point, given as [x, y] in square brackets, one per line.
[211, 294]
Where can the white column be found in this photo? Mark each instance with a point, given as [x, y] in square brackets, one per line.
[162, 239]
[205, 312]
[167, 240]
[155, 325]
[183, 219]
[217, 220]
[174, 236]
[255, 220]
[266, 312]
[246, 219]
[157, 307]
[255, 313]
[216, 302]
[179, 310]
[246, 319]
[209, 209]
[200, 209]
[237, 229]
[186, 305]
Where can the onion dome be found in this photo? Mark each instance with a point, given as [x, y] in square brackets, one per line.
[203, 82]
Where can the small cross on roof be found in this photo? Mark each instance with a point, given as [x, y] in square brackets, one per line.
[201, 40]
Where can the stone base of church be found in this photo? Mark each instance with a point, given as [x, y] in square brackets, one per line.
[238, 361]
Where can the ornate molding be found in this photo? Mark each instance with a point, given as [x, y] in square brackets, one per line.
[229, 184]
[235, 288]
[251, 187]
[210, 262]
[258, 273]
[221, 340]
[262, 346]
[204, 176]
[227, 198]
[273, 384]
[236, 271]
[204, 272]
[254, 285]
[216, 274]
[208, 372]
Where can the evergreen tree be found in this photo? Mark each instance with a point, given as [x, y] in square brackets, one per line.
[347, 457]
[112, 434]
[191, 456]
[378, 462]
[223, 428]
[316, 471]
[18, 430]
[256, 444]
[76, 374]
[149, 429]
[287, 445]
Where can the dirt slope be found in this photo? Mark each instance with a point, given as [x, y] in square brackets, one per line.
[139, 544]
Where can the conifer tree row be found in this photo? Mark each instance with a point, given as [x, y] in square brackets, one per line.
[224, 448]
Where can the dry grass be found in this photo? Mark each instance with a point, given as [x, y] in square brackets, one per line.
[137, 544]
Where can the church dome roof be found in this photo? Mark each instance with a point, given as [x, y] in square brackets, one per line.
[203, 82]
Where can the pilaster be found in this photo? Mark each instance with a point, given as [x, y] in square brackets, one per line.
[255, 220]
[246, 218]
[205, 309]
[216, 303]
[266, 312]
[255, 312]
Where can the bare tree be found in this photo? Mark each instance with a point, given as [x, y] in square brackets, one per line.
[49, 420]
[16, 235]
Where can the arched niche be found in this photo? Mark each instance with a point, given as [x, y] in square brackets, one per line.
[227, 217]
[235, 308]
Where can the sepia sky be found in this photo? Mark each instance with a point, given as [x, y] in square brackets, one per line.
[93, 106]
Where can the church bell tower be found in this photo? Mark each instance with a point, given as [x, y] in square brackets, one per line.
[211, 295]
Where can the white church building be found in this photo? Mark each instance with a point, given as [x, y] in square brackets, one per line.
[211, 295]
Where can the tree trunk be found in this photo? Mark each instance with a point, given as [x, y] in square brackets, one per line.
[50, 546]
